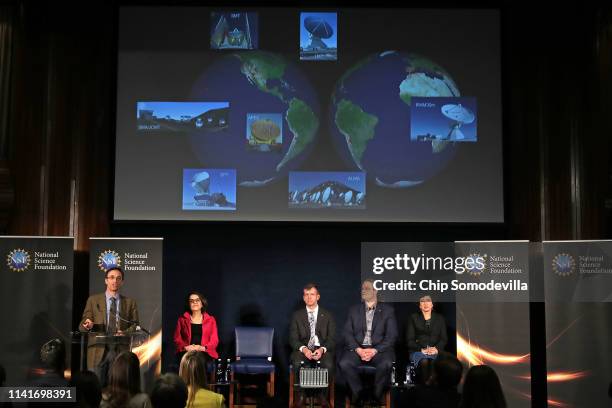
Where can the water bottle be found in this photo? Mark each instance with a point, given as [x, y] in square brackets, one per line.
[301, 373]
[228, 371]
[219, 371]
[393, 383]
[408, 375]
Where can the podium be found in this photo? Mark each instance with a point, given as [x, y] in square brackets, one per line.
[124, 341]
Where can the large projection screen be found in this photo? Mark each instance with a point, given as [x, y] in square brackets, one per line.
[270, 114]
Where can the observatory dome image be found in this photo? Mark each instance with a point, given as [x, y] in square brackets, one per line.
[370, 118]
[256, 82]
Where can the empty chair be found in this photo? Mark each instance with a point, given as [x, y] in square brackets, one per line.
[254, 354]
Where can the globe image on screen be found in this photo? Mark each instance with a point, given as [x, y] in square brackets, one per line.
[370, 117]
[256, 82]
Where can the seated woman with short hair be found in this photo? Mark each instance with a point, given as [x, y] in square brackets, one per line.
[193, 371]
[426, 333]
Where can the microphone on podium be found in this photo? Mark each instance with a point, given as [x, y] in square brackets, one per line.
[138, 327]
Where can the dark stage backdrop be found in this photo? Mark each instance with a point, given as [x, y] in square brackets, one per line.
[36, 276]
[256, 278]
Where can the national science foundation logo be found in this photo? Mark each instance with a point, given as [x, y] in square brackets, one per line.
[108, 259]
[18, 260]
[564, 264]
[476, 264]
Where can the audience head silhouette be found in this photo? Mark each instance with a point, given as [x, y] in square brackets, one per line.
[482, 389]
[169, 391]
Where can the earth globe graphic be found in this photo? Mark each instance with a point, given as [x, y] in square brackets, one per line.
[256, 82]
[370, 118]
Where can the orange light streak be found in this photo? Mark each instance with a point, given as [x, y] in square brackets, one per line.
[476, 355]
[150, 350]
[566, 376]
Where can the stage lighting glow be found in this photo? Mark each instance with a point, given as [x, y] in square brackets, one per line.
[149, 350]
[476, 355]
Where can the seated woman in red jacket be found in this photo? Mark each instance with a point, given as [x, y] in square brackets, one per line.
[196, 330]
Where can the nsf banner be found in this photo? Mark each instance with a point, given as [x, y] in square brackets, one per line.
[35, 300]
[141, 261]
[578, 285]
[466, 271]
[578, 271]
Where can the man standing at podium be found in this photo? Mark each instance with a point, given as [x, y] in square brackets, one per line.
[110, 313]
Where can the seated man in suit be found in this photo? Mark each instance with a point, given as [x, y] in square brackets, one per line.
[312, 335]
[370, 333]
[108, 312]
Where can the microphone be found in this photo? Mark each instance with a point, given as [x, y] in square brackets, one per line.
[138, 327]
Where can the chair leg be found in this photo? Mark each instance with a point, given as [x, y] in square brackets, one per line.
[237, 388]
[388, 399]
[291, 381]
[271, 386]
[212, 378]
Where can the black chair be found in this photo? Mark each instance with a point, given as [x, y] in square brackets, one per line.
[292, 382]
[368, 370]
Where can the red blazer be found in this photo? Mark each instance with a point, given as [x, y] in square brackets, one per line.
[210, 338]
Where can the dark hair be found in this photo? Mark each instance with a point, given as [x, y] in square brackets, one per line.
[311, 285]
[448, 370]
[124, 379]
[202, 298]
[169, 391]
[53, 355]
[193, 371]
[114, 268]
[481, 389]
[88, 389]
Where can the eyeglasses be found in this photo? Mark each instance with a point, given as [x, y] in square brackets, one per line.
[194, 300]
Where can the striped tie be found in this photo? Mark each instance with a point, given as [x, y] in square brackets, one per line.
[112, 317]
[311, 321]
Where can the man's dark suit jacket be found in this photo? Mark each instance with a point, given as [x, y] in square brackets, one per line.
[418, 336]
[299, 332]
[384, 327]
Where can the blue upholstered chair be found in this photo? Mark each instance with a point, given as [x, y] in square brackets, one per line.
[254, 354]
